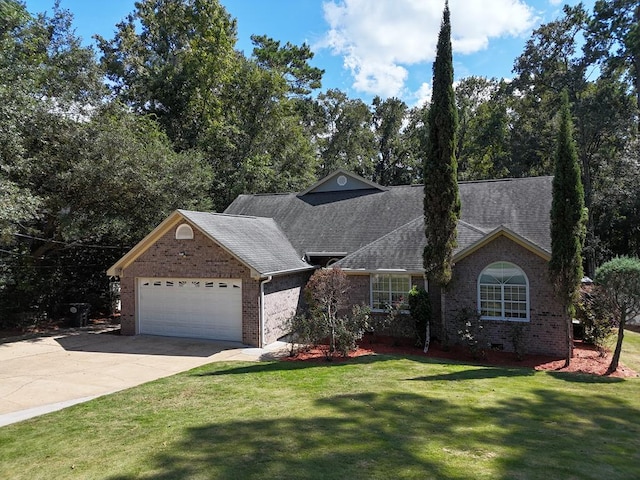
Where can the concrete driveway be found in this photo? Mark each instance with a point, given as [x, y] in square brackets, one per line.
[48, 373]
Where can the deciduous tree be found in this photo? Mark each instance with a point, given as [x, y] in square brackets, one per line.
[620, 279]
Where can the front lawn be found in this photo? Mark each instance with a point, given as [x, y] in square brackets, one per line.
[375, 417]
[630, 349]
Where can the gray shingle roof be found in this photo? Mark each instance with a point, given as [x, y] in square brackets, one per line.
[257, 242]
[402, 249]
[388, 222]
[335, 221]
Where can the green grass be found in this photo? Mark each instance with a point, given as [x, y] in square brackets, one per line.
[630, 355]
[373, 418]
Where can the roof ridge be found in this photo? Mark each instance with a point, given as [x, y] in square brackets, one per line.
[220, 214]
[507, 179]
[475, 227]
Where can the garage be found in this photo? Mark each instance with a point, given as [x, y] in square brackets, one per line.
[191, 307]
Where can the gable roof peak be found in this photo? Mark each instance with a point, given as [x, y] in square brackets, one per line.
[341, 181]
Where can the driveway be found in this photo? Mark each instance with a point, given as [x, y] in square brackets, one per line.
[48, 373]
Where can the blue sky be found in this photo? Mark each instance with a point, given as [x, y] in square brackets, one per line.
[367, 47]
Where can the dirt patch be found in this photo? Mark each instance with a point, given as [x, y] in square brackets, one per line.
[586, 359]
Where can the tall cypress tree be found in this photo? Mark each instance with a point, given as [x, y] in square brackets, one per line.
[441, 197]
[568, 219]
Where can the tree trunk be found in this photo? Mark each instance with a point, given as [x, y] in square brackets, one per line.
[616, 354]
[427, 336]
[567, 360]
[443, 318]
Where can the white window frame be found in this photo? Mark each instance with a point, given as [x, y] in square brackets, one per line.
[388, 277]
[501, 287]
[184, 232]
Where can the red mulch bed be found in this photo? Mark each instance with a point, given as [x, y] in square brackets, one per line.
[586, 358]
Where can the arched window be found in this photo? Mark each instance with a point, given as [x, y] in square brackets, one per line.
[503, 293]
[184, 232]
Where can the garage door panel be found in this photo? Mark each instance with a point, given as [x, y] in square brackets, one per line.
[199, 308]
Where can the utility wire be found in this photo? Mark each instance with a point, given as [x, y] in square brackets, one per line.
[74, 244]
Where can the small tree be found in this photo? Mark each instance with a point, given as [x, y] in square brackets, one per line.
[326, 295]
[620, 280]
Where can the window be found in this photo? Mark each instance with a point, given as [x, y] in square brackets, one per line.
[503, 293]
[184, 232]
[389, 290]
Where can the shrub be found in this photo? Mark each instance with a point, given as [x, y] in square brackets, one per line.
[304, 332]
[598, 317]
[350, 329]
[518, 339]
[326, 297]
[390, 324]
[420, 309]
[471, 334]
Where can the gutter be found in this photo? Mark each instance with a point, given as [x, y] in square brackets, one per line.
[262, 284]
[293, 270]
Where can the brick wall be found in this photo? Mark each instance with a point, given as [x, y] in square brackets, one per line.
[203, 259]
[283, 298]
[360, 293]
[545, 333]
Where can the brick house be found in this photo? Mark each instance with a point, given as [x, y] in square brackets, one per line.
[238, 275]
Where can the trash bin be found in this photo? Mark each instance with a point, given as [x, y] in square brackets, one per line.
[78, 314]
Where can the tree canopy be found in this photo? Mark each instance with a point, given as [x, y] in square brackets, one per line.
[620, 280]
[568, 220]
[94, 152]
[442, 201]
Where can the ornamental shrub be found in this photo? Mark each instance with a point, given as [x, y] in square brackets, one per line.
[420, 309]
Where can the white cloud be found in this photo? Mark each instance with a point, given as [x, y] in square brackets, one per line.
[379, 39]
[423, 95]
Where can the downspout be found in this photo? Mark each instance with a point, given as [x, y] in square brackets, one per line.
[262, 284]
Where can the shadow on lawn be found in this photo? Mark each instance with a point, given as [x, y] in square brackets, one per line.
[479, 374]
[273, 366]
[418, 432]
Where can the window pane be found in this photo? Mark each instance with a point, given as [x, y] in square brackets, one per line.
[389, 290]
[503, 291]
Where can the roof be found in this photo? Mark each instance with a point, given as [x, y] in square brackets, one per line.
[342, 180]
[383, 229]
[373, 227]
[335, 221]
[257, 242]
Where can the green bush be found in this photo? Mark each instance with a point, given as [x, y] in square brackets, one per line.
[471, 333]
[598, 317]
[420, 309]
[519, 339]
[323, 322]
[350, 329]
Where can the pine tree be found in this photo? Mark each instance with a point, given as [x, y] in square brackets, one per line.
[441, 199]
[568, 219]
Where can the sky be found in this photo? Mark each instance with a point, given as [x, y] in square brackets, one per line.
[366, 47]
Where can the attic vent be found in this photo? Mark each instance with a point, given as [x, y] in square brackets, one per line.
[184, 232]
[342, 180]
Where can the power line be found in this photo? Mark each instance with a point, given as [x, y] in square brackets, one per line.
[73, 244]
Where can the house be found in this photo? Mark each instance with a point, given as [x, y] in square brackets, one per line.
[239, 275]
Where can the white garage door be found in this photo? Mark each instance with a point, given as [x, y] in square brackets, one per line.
[191, 307]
